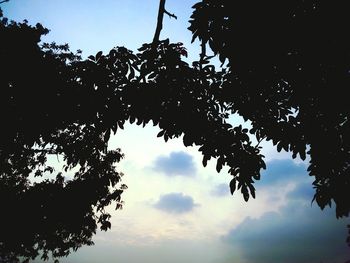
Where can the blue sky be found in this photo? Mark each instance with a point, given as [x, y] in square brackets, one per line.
[176, 210]
[101, 25]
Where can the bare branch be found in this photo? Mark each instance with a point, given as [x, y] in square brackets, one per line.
[159, 27]
[169, 14]
[261, 139]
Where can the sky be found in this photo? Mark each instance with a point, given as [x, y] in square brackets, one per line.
[175, 210]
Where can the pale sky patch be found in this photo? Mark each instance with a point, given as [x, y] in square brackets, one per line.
[220, 190]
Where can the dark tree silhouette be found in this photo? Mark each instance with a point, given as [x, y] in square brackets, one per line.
[47, 110]
[288, 72]
[285, 68]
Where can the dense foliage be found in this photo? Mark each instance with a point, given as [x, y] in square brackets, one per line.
[44, 112]
[285, 68]
[288, 73]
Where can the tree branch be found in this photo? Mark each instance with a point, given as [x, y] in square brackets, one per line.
[161, 12]
[261, 139]
[48, 151]
[4, 1]
[169, 14]
[203, 54]
[159, 27]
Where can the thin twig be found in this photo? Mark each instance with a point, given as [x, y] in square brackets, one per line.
[169, 14]
[261, 139]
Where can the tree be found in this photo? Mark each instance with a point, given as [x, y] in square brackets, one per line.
[284, 68]
[288, 69]
[43, 113]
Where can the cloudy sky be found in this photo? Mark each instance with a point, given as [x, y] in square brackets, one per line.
[176, 210]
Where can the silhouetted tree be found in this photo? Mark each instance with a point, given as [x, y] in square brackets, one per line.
[285, 69]
[288, 72]
[46, 110]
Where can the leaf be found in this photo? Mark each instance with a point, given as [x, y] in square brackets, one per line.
[256, 176]
[219, 164]
[98, 55]
[239, 184]
[153, 75]
[194, 36]
[279, 147]
[144, 47]
[187, 140]
[112, 53]
[139, 121]
[233, 186]
[197, 5]
[205, 160]
[244, 191]
[252, 190]
[160, 134]
[114, 128]
[222, 59]
[107, 135]
[154, 122]
[121, 124]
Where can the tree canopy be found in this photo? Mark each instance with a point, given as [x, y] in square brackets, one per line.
[285, 68]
